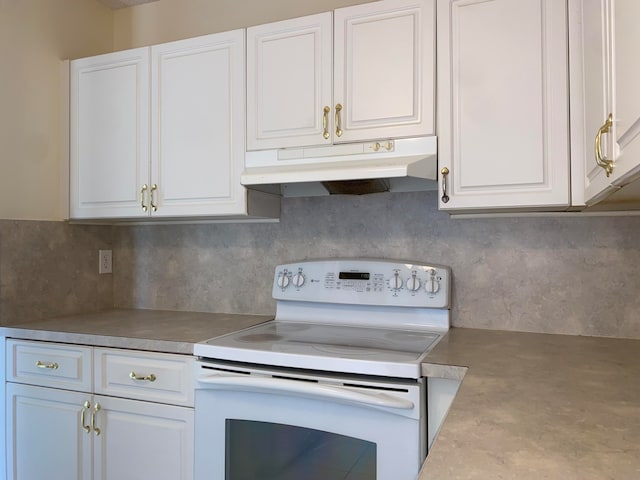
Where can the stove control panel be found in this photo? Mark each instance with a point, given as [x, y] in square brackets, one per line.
[364, 282]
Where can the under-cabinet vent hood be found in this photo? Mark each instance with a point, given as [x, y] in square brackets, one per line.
[404, 165]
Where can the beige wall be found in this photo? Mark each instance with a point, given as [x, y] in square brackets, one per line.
[35, 35]
[166, 20]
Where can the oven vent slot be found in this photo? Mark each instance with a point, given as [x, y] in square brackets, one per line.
[226, 370]
[373, 387]
[282, 377]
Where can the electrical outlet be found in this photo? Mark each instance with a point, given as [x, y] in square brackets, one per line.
[105, 263]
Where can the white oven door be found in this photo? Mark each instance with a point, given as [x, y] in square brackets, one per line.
[265, 427]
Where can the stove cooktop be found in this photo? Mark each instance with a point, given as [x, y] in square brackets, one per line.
[361, 316]
[336, 348]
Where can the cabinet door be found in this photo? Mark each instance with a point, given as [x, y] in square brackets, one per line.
[591, 100]
[605, 82]
[197, 112]
[45, 438]
[289, 79]
[142, 440]
[384, 70]
[503, 104]
[109, 134]
[626, 81]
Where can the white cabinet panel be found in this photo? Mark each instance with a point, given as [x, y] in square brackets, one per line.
[590, 57]
[45, 438]
[365, 73]
[49, 364]
[289, 70]
[626, 131]
[58, 434]
[141, 440]
[383, 69]
[109, 134]
[605, 79]
[503, 104]
[160, 132]
[158, 377]
[198, 125]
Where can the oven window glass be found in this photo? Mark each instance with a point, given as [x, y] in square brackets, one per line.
[271, 451]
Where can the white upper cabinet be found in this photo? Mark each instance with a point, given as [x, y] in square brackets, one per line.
[109, 134]
[289, 67]
[384, 59]
[605, 96]
[503, 105]
[160, 132]
[197, 120]
[367, 72]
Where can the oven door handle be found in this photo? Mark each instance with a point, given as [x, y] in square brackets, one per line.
[307, 389]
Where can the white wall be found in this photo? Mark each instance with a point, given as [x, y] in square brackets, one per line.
[35, 35]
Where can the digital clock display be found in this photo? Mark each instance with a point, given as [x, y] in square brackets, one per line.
[353, 276]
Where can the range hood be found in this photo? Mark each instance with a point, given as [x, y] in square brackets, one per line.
[408, 164]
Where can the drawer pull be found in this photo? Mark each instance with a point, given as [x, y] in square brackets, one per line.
[150, 378]
[85, 407]
[51, 366]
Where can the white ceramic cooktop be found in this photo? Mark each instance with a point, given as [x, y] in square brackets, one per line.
[336, 348]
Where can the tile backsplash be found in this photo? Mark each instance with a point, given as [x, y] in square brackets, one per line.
[51, 268]
[570, 274]
[573, 275]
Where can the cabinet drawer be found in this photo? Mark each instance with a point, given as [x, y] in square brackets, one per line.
[49, 364]
[154, 377]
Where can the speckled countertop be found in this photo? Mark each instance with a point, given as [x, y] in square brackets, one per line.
[531, 406]
[153, 330]
[535, 406]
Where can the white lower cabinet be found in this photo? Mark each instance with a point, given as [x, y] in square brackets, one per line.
[140, 440]
[61, 434]
[45, 438]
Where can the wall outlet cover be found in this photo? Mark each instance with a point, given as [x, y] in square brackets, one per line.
[105, 261]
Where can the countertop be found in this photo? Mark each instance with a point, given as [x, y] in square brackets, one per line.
[536, 406]
[531, 406]
[153, 330]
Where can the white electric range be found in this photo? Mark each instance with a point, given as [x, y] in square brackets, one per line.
[332, 386]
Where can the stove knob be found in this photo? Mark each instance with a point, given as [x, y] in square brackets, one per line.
[432, 284]
[298, 280]
[283, 280]
[396, 282]
[413, 284]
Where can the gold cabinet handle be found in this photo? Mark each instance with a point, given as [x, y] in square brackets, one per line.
[600, 159]
[50, 366]
[96, 409]
[85, 407]
[444, 172]
[154, 205]
[325, 122]
[142, 191]
[338, 122]
[149, 378]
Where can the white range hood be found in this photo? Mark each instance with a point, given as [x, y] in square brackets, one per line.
[408, 164]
